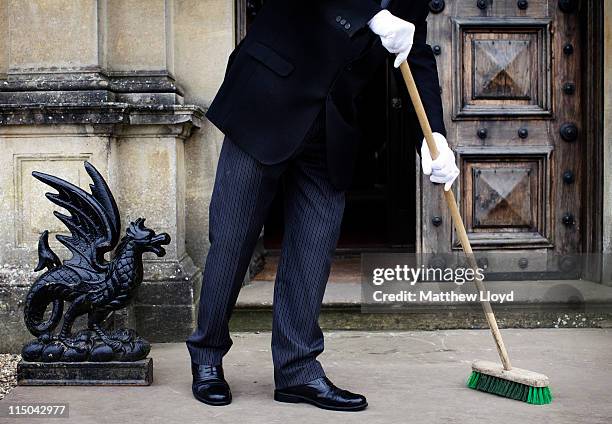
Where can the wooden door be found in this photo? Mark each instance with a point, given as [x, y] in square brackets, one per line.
[511, 82]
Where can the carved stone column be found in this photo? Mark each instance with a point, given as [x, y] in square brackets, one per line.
[151, 177]
[93, 80]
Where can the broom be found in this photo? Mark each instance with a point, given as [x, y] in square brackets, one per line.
[502, 380]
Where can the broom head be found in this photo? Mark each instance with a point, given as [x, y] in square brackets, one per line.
[517, 384]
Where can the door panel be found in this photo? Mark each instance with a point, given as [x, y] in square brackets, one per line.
[502, 67]
[510, 82]
[506, 196]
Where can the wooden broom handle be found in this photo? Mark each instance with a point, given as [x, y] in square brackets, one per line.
[454, 211]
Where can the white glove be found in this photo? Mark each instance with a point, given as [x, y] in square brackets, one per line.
[396, 34]
[443, 170]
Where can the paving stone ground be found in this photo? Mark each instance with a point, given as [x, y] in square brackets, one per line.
[408, 377]
[8, 369]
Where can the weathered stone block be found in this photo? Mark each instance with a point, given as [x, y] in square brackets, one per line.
[165, 308]
[43, 34]
[163, 323]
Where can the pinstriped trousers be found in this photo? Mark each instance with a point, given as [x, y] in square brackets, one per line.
[243, 191]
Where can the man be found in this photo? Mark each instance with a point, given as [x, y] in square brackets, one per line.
[286, 107]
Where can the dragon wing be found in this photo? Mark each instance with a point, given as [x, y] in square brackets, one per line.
[94, 221]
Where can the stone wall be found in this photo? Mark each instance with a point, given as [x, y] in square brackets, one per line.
[123, 84]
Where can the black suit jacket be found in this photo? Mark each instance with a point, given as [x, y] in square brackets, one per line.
[301, 56]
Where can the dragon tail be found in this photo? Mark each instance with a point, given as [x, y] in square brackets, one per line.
[46, 257]
[36, 304]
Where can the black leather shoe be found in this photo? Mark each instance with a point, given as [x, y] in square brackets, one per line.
[322, 393]
[209, 385]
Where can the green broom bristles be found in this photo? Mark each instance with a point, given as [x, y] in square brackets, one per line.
[509, 389]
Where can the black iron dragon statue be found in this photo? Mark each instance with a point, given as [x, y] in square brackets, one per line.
[87, 281]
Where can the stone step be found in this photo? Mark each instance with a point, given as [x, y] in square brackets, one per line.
[536, 304]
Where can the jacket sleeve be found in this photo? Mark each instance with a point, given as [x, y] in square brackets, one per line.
[350, 15]
[425, 72]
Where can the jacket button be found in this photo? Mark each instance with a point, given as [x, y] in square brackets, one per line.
[343, 21]
[338, 18]
[347, 26]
